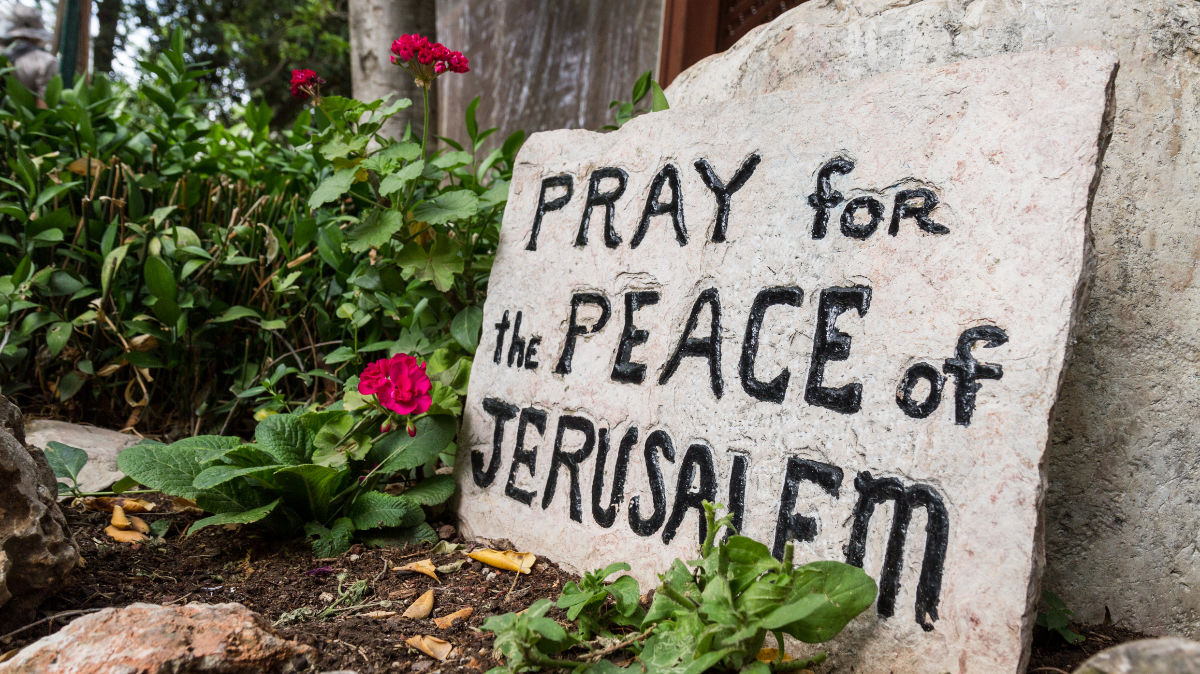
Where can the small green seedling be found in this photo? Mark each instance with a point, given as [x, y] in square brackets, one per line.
[1057, 619]
[66, 462]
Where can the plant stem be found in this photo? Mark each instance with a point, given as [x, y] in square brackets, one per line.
[795, 665]
[678, 597]
[425, 126]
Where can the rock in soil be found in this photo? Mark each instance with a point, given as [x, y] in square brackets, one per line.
[36, 546]
[102, 447]
[1146, 656]
[149, 639]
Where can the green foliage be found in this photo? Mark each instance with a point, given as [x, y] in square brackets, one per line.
[320, 472]
[66, 462]
[1058, 618]
[155, 265]
[627, 110]
[713, 616]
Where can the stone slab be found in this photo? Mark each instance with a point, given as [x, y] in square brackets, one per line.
[102, 447]
[1123, 503]
[1007, 148]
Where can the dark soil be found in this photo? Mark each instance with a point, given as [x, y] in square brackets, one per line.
[274, 577]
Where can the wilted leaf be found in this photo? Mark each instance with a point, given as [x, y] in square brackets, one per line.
[119, 520]
[451, 567]
[424, 566]
[129, 505]
[431, 646]
[448, 620]
[446, 547]
[420, 608]
[770, 654]
[508, 560]
[122, 536]
[139, 525]
[185, 505]
[80, 166]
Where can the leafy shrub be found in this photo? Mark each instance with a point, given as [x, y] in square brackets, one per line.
[714, 616]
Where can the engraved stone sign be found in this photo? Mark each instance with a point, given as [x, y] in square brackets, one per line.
[843, 313]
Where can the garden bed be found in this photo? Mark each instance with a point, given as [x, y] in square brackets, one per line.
[276, 577]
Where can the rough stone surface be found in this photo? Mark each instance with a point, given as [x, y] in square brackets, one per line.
[1148, 656]
[36, 547]
[1123, 506]
[1008, 146]
[102, 447]
[150, 639]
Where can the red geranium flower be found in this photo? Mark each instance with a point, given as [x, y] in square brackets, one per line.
[425, 60]
[399, 384]
[305, 83]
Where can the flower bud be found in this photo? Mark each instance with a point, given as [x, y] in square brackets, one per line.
[412, 430]
[385, 427]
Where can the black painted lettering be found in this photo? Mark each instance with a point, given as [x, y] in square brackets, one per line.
[530, 352]
[966, 370]
[525, 457]
[724, 192]
[501, 328]
[850, 226]
[903, 209]
[555, 204]
[625, 370]
[904, 392]
[774, 390]
[669, 175]
[826, 197]
[606, 200]
[708, 347]
[790, 525]
[658, 494]
[500, 412]
[697, 462]
[516, 347]
[737, 493]
[575, 330]
[872, 492]
[605, 517]
[569, 460]
[831, 344]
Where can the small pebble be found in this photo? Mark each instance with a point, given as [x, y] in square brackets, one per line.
[354, 558]
[422, 665]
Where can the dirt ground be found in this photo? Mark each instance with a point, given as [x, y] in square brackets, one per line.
[277, 577]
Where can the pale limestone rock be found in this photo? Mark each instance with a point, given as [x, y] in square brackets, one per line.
[1009, 146]
[1146, 656]
[102, 447]
[1122, 506]
[36, 546]
[150, 639]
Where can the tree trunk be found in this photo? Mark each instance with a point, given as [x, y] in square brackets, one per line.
[108, 14]
[374, 24]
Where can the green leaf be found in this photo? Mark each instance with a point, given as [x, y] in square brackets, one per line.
[235, 312]
[447, 207]
[57, 337]
[69, 385]
[159, 528]
[626, 592]
[208, 447]
[332, 187]
[440, 264]
[400, 179]
[160, 279]
[330, 542]
[167, 468]
[285, 437]
[230, 497]
[846, 591]
[396, 451]
[220, 474]
[642, 86]
[65, 461]
[244, 517]
[660, 99]
[399, 537]
[313, 485]
[784, 616]
[449, 160]
[466, 327]
[373, 510]
[112, 262]
[433, 490]
[125, 484]
[374, 230]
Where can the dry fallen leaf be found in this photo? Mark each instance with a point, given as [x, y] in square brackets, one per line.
[185, 505]
[431, 646]
[122, 536]
[80, 166]
[402, 593]
[139, 525]
[119, 520]
[451, 567]
[380, 614]
[507, 560]
[424, 566]
[107, 503]
[446, 621]
[420, 608]
[769, 655]
[143, 343]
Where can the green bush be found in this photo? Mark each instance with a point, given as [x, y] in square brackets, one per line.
[157, 266]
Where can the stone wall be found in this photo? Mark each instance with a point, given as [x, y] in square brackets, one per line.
[1124, 486]
[544, 64]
